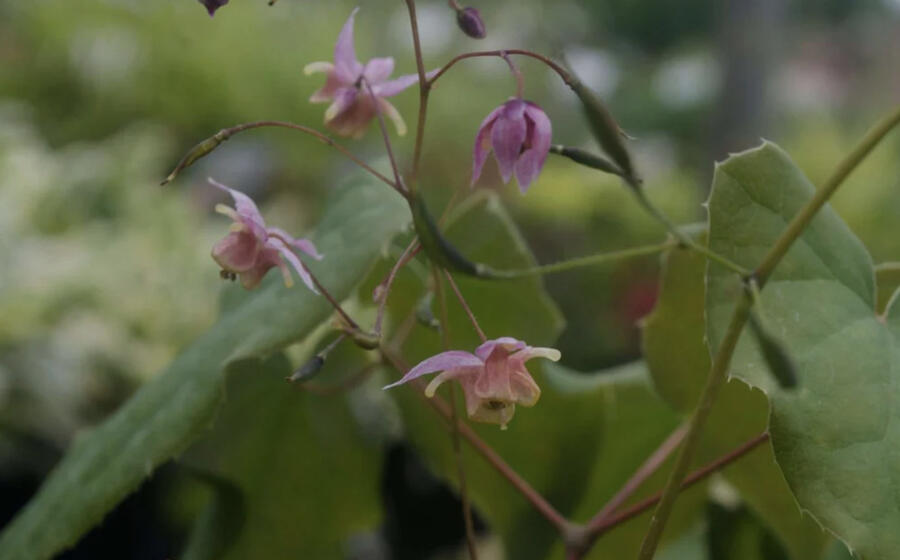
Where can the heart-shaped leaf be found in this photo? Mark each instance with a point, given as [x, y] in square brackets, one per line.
[837, 436]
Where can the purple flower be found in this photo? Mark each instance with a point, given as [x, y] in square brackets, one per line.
[213, 5]
[519, 133]
[352, 107]
[251, 248]
[494, 378]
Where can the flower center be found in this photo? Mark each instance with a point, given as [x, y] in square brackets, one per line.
[496, 405]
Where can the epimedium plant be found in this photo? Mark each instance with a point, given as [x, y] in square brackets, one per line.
[774, 290]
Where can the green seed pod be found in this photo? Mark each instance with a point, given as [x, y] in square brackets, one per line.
[587, 159]
[202, 149]
[436, 246]
[605, 129]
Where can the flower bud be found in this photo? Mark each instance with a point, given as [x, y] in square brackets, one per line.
[470, 22]
[308, 370]
[213, 5]
[201, 150]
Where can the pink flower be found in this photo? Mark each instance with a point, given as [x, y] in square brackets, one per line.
[494, 378]
[251, 248]
[213, 5]
[352, 107]
[519, 132]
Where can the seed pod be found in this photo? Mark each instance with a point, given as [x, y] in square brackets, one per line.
[308, 370]
[470, 22]
[436, 246]
[425, 314]
[587, 159]
[605, 129]
[202, 149]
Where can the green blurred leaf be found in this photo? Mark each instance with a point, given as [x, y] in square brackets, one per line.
[296, 458]
[103, 466]
[836, 436]
[676, 352]
[221, 521]
[887, 278]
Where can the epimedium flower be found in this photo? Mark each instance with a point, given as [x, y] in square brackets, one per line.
[251, 248]
[352, 107]
[213, 5]
[494, 379]
[519, 133]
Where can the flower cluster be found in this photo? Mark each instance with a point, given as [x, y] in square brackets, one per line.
[493, 378]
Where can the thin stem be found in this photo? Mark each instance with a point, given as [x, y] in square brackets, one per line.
[640, 507]
[455, 421]
[384, 134]
[465, 305]
[337, 306]
[562, 72]
[682, 237]
[424, 88]
[341, 386]
[717, 376]
[805, 216]
[487, 452]
[650, 466]
[517, 74]
[407, 255]
[227, 133]
[590, 260]
[739, 318]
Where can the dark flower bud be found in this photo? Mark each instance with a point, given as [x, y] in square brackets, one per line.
[213, 5]
[469, 20]
[308, 370]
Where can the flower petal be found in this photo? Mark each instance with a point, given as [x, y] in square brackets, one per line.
[246, 209]
[391, 112]
[453, 359]
[530, 162]
[508, 343]
[346, 66]
[344, 99]
[304, 245]
[507, 137]
[289, 255]
[315, 67]
[395, 86]
[482, 144]
[237, 251]
[378, 70]
[525, 391]
[327, 92]
[530, 352]
[447, 376]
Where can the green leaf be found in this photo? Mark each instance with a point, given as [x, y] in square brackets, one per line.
[221, 521]
[887, 276]
[679, 361]
[296, 459]
[165, 415]
[836, 437]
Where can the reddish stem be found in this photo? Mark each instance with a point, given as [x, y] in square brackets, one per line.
[562, 72]
[465, 305]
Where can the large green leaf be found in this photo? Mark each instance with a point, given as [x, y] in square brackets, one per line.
[164, 416]
[837, 436]
[676, 352]
[295, 457]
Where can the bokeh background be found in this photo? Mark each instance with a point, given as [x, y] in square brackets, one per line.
[104, 275]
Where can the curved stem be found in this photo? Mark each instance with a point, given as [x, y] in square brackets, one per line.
[424, 88]
[579, 262]
[741, 314]
[398, 180]
[682, 238]
[517, 74]
[562, 72]
[227, 133]
[465, 305]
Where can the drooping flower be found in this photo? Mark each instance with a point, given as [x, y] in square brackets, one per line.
[519, 133]
[251, 248]
[494, 379]
[352, 107]
[213, 5]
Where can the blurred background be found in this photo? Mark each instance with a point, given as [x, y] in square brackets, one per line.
[104, 275]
